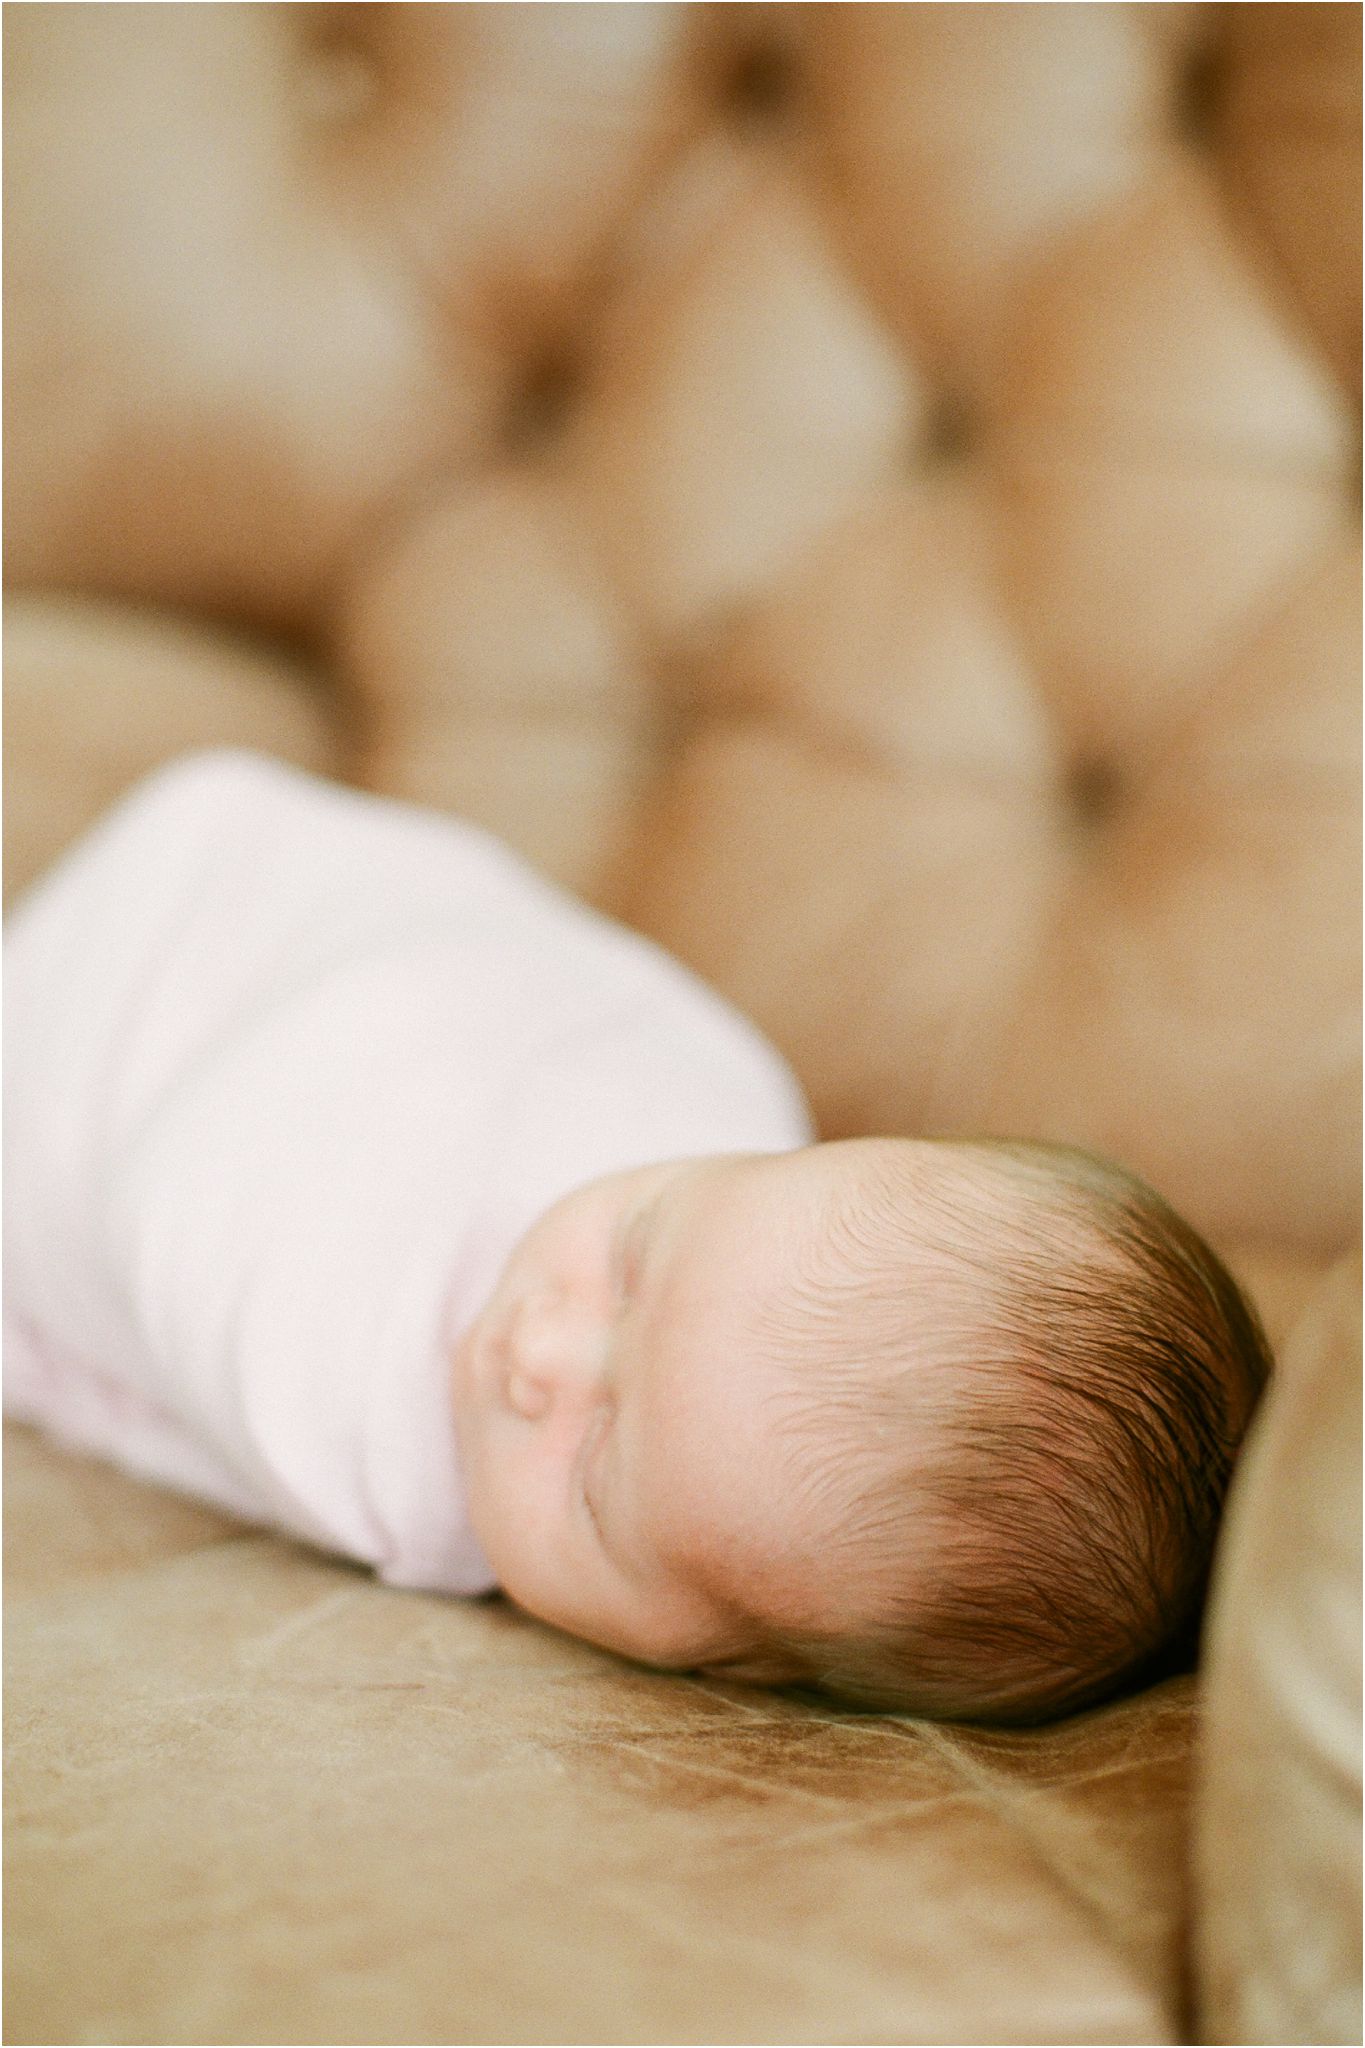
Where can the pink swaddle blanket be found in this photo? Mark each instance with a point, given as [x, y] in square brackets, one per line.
[288, 1071]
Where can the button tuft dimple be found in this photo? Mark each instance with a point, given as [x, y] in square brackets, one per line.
[338, 83]
[542, 400]
[1198, 97]
[760, 86]
[1093, 789]
[948, 434]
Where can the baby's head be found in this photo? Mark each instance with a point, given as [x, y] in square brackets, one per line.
[936, 1426]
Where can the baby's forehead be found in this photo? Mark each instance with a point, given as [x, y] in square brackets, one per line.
[791, 1285]
[800, 1260]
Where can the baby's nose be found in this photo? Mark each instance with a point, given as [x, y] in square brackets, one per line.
[528, 1394]
[555, 1357]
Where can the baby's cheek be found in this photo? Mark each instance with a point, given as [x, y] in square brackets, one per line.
[489, 1490]
[510, 1508]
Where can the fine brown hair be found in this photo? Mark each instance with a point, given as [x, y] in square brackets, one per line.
[1112, 1365]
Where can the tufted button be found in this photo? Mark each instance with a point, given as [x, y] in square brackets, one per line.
[1198, 97]
[1093, 790]
[949, 433]
[760, 87]
[338, 83]
[542, 400]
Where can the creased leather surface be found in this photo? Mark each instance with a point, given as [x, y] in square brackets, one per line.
[252, 1795]
[868, 494]
[1279, 1819]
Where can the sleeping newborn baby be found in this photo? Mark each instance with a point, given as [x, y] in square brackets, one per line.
[361, 1183]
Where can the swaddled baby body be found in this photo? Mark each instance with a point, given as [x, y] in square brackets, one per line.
[363, 1184]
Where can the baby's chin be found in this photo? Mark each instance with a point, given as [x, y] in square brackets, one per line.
[662, 1643]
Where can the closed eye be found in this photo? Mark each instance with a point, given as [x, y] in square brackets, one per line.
[591, 1459]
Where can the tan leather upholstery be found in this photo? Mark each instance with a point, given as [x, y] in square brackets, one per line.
[1278, 1836]
[868, 494]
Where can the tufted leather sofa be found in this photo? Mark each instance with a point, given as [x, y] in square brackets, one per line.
[867, 494]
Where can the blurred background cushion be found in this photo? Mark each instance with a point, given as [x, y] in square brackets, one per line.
[96, 693]
[878, 478]
[1278, 1843]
